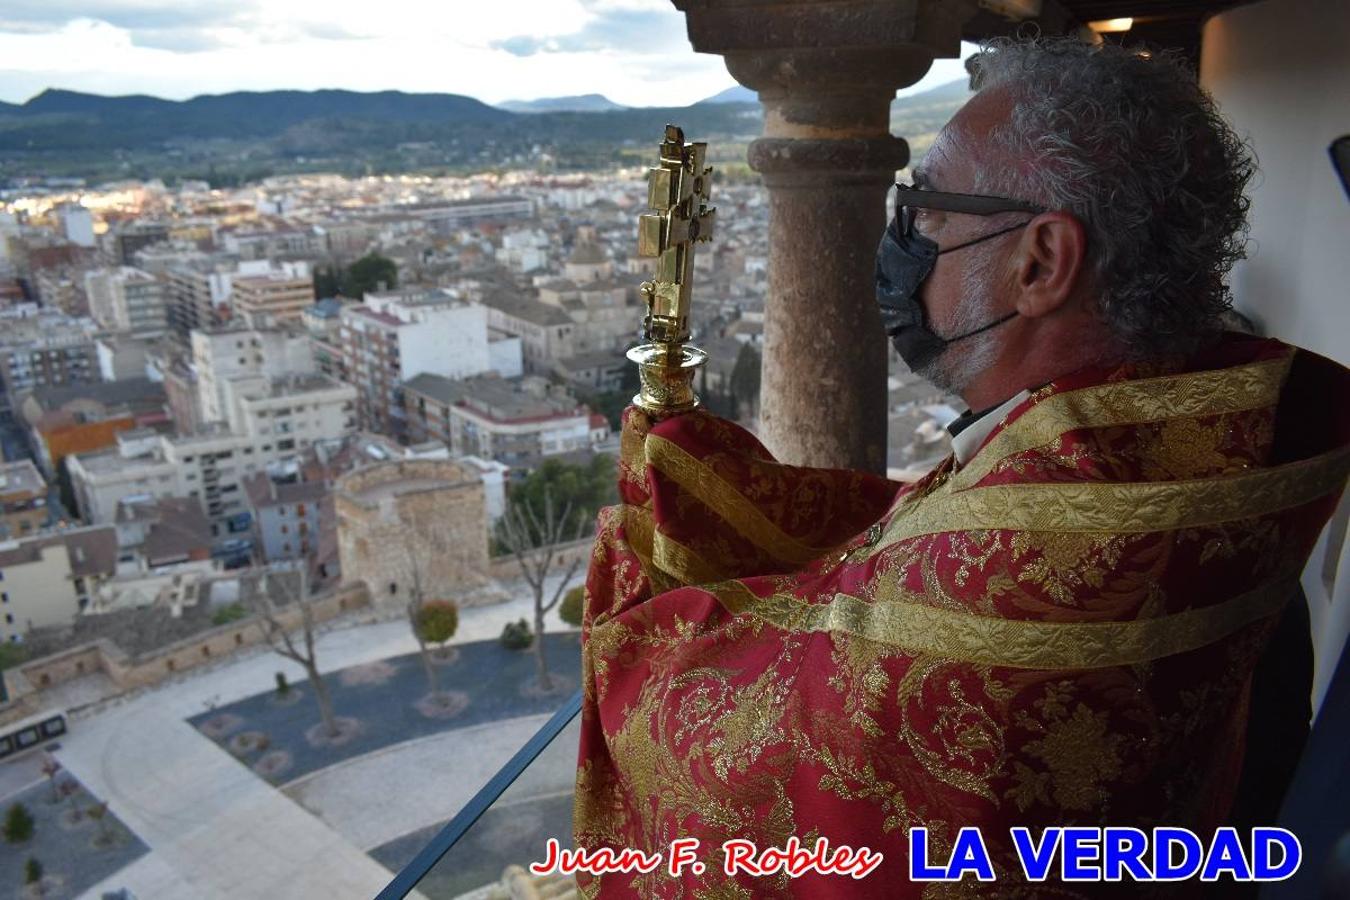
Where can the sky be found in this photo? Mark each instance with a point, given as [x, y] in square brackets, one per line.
[636, 52]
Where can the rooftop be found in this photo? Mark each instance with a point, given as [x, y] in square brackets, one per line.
[92, 551]
[21, 476]
[520, 306]
[263, 492]
[514, 400]
[178, 528]
[128, 392]
[110, 462]
[303, 382]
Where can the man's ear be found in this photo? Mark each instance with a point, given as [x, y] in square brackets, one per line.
[1049, 263]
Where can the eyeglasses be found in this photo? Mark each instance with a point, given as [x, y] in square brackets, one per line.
[910, 198]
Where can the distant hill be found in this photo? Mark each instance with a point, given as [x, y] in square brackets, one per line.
[918, 117]
[254, 112]
[945, 94]
[736, 94]
[230, 137]
[234, 137]
[581, 103]
[957, 91]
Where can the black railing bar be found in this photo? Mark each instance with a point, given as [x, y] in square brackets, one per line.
[446, 838]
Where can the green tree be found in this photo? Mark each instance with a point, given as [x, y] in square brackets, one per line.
[18, 824]
[368, 273]
[32, 871]
[327, 283]
[745, 376]
[572, 606]
[437, 621]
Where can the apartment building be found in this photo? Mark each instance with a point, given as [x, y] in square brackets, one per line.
[40, 348]
[49, 579]
[127, 299]
[516, 421]
[224, 352]
[268, 421]
[275, 297]
[23, 499]
[199, 288]
[395, 336]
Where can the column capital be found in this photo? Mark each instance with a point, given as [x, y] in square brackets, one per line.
[826, 69]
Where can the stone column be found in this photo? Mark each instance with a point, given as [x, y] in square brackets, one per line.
[826, 73]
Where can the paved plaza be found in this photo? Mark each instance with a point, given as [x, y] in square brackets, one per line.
[386, 702]
[215, 829]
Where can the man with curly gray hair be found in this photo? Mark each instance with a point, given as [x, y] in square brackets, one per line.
[1139, 186]
[1064, 622]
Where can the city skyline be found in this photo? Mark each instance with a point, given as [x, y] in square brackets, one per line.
[635, 52]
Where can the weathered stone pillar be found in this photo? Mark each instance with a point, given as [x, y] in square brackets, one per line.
[826, 73]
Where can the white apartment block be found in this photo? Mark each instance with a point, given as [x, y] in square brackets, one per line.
[77, 224]
[524, 249]
[396, 335]
[268, 421]
[220, 354]
[48, 580]
[127, 299]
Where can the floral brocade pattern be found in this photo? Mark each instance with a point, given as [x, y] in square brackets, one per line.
[761, 661]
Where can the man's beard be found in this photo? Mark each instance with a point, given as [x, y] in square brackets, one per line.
[955, 367]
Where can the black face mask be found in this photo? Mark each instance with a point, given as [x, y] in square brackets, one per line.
[903, 262]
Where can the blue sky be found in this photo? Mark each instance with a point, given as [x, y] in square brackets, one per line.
[633, 51]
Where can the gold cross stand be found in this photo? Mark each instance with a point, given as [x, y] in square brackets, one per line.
[678, 190]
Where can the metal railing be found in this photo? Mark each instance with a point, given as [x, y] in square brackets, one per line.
[413, 873]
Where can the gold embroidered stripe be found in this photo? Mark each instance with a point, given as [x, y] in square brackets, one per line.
[985, 640]
[663, 558]
[639, 530]
[1122, 508]
[681, 562]
[713, 491]
[1130, 402]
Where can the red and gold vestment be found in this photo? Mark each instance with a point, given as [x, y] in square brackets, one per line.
[1059, 632]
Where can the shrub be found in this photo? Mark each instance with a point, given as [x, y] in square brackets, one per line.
[32, 871]
[232, 612]
[570, 609]
[517, 635]
[18, 824]
[436, 621]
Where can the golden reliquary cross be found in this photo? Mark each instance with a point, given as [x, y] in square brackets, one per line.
[678, 190]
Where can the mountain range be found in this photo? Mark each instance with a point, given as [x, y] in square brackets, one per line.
[67, 132]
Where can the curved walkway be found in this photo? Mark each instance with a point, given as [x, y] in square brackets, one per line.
[216, 830]
[384, 795]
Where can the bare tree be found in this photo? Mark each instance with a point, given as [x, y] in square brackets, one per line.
[283, 642]
[534, 538]
[416, 597]
[51, 768]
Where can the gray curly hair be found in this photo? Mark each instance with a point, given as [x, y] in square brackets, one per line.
[1131, 145]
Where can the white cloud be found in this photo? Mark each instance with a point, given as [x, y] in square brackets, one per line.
[634, 51]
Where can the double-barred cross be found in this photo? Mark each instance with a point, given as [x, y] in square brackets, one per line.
[678, 189]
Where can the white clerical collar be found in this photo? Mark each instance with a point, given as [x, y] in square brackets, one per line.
[966, 441]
